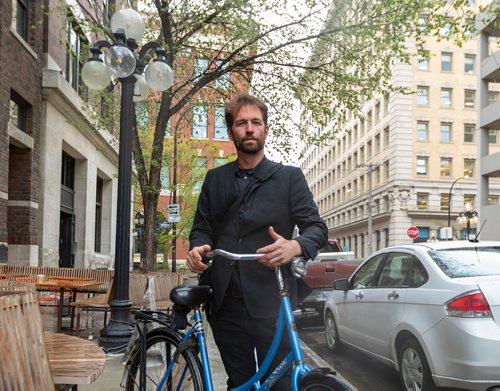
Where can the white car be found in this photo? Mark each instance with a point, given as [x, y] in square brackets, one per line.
[431, 310]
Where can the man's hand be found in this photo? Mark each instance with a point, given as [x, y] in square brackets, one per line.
[280, 252]
[193, 259]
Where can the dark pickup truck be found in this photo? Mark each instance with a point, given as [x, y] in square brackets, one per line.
[331, 264]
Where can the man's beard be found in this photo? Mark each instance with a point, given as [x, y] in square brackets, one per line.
[250, 149]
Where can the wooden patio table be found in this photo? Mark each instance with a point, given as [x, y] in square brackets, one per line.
[64, 284]
[73, 360]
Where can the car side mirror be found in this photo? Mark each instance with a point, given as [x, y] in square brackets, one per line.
[341, 285]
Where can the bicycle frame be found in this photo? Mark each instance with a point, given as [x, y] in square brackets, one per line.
[285, 320]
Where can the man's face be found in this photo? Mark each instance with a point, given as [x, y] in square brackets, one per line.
[249, 131]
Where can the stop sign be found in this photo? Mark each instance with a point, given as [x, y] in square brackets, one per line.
[412, 232]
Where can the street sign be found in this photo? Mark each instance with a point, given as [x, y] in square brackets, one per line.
[174, 213]
[412, 232]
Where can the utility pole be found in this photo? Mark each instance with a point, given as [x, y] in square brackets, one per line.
[370, 167]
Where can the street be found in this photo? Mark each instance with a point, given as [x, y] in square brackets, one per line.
[361, 371]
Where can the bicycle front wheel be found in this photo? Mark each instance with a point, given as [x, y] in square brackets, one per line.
[323, 383]
[161, 345]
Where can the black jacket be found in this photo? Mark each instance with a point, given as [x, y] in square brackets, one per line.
[279, 197]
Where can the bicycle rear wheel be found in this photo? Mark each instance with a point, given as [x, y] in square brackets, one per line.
[161, 345]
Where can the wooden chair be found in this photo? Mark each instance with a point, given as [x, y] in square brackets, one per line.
[23, 356]
[43, 297]
[99, 303]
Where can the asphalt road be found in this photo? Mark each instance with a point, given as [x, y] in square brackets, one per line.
[361, 371]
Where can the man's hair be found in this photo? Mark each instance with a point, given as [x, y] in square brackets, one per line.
[232, 106]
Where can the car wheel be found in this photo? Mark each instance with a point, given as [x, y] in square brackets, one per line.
[414, 370]
[331, 333]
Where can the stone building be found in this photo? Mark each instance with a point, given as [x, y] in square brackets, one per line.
[411, 160]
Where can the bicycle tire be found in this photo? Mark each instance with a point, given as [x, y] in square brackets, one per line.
[323, 383]
[161, 344]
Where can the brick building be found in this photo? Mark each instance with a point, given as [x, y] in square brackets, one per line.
[21, 61]
[57, 168]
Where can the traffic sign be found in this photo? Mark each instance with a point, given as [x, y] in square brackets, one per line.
[174, 213]
[412, 232]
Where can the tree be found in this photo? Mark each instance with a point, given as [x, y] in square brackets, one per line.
[266, 44]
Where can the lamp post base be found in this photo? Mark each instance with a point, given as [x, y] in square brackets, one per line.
[114, 337]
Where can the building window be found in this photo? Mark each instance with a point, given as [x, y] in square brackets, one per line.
[492, 136]
[219, 161]
[423, 60]
[18, 114]
[469, 133]
[386, 234]
[446, 62]
[98, 215]
[445, 201]
[165, 178]
[445, 166]
[75, 57]
[20, 17]
[422, 130]
[223, 81]
[492, 199]
[445, 31]
[470, 199]
[200, 122]
[422, 201]
[68, 171]
[220, 124]
[200, 67]
[422, 95]
[492, 97]
[445, 132]
[386, 137]
[469, 167]
[423, 24]
[446, 97]
[469, 63]
[386, 170]
[198, 173]
[422, 165]
[470, 99]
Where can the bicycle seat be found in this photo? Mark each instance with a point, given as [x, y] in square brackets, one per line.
[190, 295]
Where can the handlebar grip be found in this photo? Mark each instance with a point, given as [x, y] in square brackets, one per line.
[207, 257]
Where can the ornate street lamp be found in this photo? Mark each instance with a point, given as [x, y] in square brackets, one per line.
[468, 217]
[122, 62]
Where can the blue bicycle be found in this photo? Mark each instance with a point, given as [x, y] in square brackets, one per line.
[164, 358]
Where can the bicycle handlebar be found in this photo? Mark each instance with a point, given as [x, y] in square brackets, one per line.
[207, 257]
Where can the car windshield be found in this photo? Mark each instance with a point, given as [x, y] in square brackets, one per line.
[468, 262]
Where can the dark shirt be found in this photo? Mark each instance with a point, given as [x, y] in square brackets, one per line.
[243, 180]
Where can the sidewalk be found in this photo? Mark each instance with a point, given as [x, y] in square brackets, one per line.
[113, 371]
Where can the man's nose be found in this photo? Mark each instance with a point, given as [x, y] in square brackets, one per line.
[249, 127]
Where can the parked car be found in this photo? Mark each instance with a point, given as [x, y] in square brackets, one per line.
[431, 310]
[330, 264]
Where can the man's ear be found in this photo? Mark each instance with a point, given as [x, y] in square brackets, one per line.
[266, 132]
[229, 133]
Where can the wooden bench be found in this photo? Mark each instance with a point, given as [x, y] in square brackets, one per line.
[33, 360]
